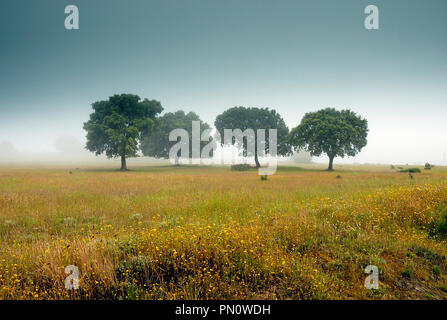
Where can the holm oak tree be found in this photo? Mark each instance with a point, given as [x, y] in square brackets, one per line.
[335, 133]
[118, 124]
[157, 144]
[254, 118]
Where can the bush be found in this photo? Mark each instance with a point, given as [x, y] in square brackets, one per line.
[428, 166]
[411, 170]
[240, 167]
[407, 273]
[441, 227]
[263, 177]
[135, 269]
[426, 253]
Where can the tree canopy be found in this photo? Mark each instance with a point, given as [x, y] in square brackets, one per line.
[335, 133]
[254, 118]
[118, 124]
[157, 144]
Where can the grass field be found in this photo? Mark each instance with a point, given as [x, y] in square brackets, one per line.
[209, 233]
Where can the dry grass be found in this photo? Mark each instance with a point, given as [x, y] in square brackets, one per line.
[208, 233]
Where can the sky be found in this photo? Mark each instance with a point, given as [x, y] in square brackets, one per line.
[206, 56]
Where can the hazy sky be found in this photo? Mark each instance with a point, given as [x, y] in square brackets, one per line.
[207, 55]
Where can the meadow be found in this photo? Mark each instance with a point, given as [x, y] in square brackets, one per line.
[165, 232]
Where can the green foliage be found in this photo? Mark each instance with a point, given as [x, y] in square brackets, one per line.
[436, 270]
[441, 227]
[157, 144]
[240, 167]
[264, 178]
[411, 170]
[438, 228]
[407, 273]
[118, 124]
[332, 132]
[376, 293]
[426, 253]
[136, 269]
[428, 166]
[254, 118]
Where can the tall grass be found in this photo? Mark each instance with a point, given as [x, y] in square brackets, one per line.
[195, 233]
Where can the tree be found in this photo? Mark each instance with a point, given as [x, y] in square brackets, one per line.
[329, 131]
[118, 124]
[157, 144]
[254, 118]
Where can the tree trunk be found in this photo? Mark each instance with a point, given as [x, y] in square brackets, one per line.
[176, 160]
[257, 160]
[331, 161]
[123, 163]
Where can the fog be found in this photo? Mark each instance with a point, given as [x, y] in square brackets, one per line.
[66, 149]
[291, 56]
[386, 145]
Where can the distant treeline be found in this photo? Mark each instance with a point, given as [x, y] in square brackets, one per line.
[125, 124]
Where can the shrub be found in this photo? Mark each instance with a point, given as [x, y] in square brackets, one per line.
[441, 227]
[411, 170]
[436, 270]
[136, 268]
[426, 253]
[263, 178]
[428, 166]
[407, 273]
[240, 167]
